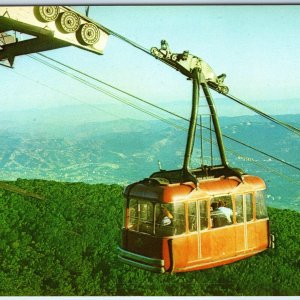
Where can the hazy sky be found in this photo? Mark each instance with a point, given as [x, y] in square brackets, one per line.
[258, 47]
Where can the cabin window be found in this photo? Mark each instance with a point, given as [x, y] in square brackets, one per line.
[221, 211]
[133, 214]
[261, 208]
[169, 219]
[141, 216]
[249, 207]
[202, 216]
[239, 208]
[125, 213]
[192, 217]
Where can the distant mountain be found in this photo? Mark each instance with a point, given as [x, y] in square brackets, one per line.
[72, 115]
[285, 106]
[126, 150]
[227, 107]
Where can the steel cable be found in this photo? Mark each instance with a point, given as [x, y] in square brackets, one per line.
[261, 113]
[152, 114]
[168, 111]
[281, 123]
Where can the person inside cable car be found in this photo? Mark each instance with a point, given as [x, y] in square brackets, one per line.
[165, 217]
[164, 222]
[226, 211]
[218, 218]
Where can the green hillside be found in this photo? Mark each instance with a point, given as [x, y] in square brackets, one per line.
[65, 244]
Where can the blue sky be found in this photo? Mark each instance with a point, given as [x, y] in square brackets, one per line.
[258, 47]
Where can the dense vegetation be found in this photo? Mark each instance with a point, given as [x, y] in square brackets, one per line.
[65, 244]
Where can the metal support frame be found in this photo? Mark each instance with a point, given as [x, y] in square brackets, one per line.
[47, 28]
[203, 76]
[216, 123]
[30, 46]
[193, 119]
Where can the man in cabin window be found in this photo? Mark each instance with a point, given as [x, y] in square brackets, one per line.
[218, 218]
[215, 215]
[226, 211]
[165, 217]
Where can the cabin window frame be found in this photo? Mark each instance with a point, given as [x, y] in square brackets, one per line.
[246, 206]
[195, 217]
[125, 213]
[240, 213]
[146, 223]
[260, 194]
[251, 206]
[177, 225]
[198, 215]
[152, 227]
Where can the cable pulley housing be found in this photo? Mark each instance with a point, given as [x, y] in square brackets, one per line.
[68, 22]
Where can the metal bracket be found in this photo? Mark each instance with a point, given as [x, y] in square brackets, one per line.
[48, 28]
[185, 63]
[7, 39]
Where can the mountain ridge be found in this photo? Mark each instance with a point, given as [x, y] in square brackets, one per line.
[126, 151]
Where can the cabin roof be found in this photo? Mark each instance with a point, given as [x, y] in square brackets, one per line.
[152, 190]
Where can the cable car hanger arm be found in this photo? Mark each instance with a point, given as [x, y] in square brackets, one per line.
[202, 75]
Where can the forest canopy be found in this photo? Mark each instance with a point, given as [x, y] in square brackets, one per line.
[65, 243]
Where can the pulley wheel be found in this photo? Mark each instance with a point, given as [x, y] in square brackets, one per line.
[155, 52]
[47, 13]
[88, 34]
[174, 57]
[68, 22]
[224, 90]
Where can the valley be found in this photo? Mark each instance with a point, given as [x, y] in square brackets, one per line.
[128, 150]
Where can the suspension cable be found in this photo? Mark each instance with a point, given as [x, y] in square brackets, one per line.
[65, 94]
[288, 178]
[144, 110]
[270, 118]
[272, 170]
[128, 41]
[111, 86]
[167, 111]
[281, 123]
[108, 93]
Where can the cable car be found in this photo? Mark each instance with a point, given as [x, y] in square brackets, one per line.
[191, 219]
[171, 227]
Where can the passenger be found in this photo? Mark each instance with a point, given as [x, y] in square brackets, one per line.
[218, 218]
[226, 211]
[165, 217]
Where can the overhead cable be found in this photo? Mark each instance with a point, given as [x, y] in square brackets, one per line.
[270, 118]
[108, 93]
[281, 123]
[167, 111]
[125, 39]
[144, 110]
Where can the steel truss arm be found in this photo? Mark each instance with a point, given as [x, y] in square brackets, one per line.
[202, 76]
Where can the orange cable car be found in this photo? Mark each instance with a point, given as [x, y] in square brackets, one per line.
[191, 219]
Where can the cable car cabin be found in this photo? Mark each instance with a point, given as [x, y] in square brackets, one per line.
[179, 228]
[190, 219]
